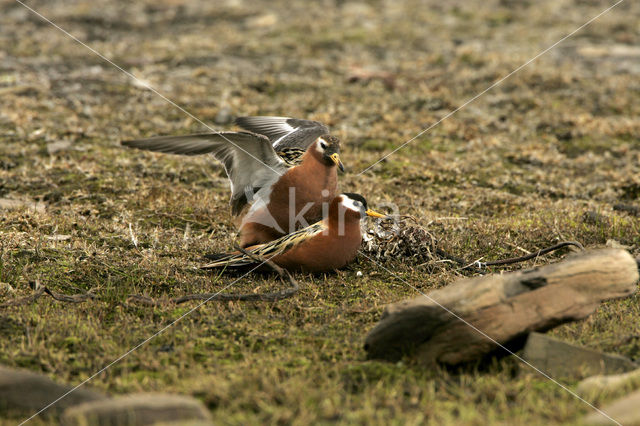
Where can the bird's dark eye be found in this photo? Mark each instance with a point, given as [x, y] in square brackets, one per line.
[323, 145]
[357, 203]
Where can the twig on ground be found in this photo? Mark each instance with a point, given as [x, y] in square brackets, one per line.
[40, 289]
[71, 298]
[23, 300]
[248, 297]
[417, 242]
[532, 255]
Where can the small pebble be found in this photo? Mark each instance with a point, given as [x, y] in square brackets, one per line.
[223, 116]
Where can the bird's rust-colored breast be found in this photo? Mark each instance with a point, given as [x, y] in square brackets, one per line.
[303, 188]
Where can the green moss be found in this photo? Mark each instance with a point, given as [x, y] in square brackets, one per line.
[513, 171]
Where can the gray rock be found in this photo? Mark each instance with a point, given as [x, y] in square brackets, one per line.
[58, 146]
[138, 409]
[14, 204]
[624, 411]
[595, 386]
[24, 393]
[224, 115]
[267, 20]
[561, 359]
[6, 289]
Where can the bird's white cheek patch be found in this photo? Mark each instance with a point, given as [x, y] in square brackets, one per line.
[350, 205]
[318, 147]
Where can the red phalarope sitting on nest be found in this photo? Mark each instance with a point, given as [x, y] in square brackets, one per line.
[324, 246]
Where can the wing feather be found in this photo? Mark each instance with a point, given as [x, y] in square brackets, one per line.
[249, 159]
[284, 132]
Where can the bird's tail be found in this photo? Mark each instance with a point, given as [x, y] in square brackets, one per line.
[228, 260]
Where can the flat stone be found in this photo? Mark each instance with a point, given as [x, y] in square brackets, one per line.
[58, 237]
[263, 21]
[224, 115]
[6, 289]
[562, 359]
[624, 411]
[595, 386]
[58, 146]
[15, 204]
[24, 393]
[616, 50]
[138, 409]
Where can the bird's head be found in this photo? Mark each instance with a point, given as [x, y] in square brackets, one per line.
[329, 149]
[357, 204]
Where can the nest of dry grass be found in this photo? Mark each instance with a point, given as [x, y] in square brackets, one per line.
[389, 241]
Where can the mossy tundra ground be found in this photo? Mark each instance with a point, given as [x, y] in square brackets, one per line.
[552, 153]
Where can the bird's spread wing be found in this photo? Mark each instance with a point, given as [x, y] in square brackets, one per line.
[268, 250]
[284, 132]
[249, 159]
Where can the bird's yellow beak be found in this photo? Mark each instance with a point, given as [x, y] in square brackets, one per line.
[375, 214]
[336, 159]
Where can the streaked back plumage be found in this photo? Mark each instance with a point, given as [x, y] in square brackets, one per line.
[267, 250]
